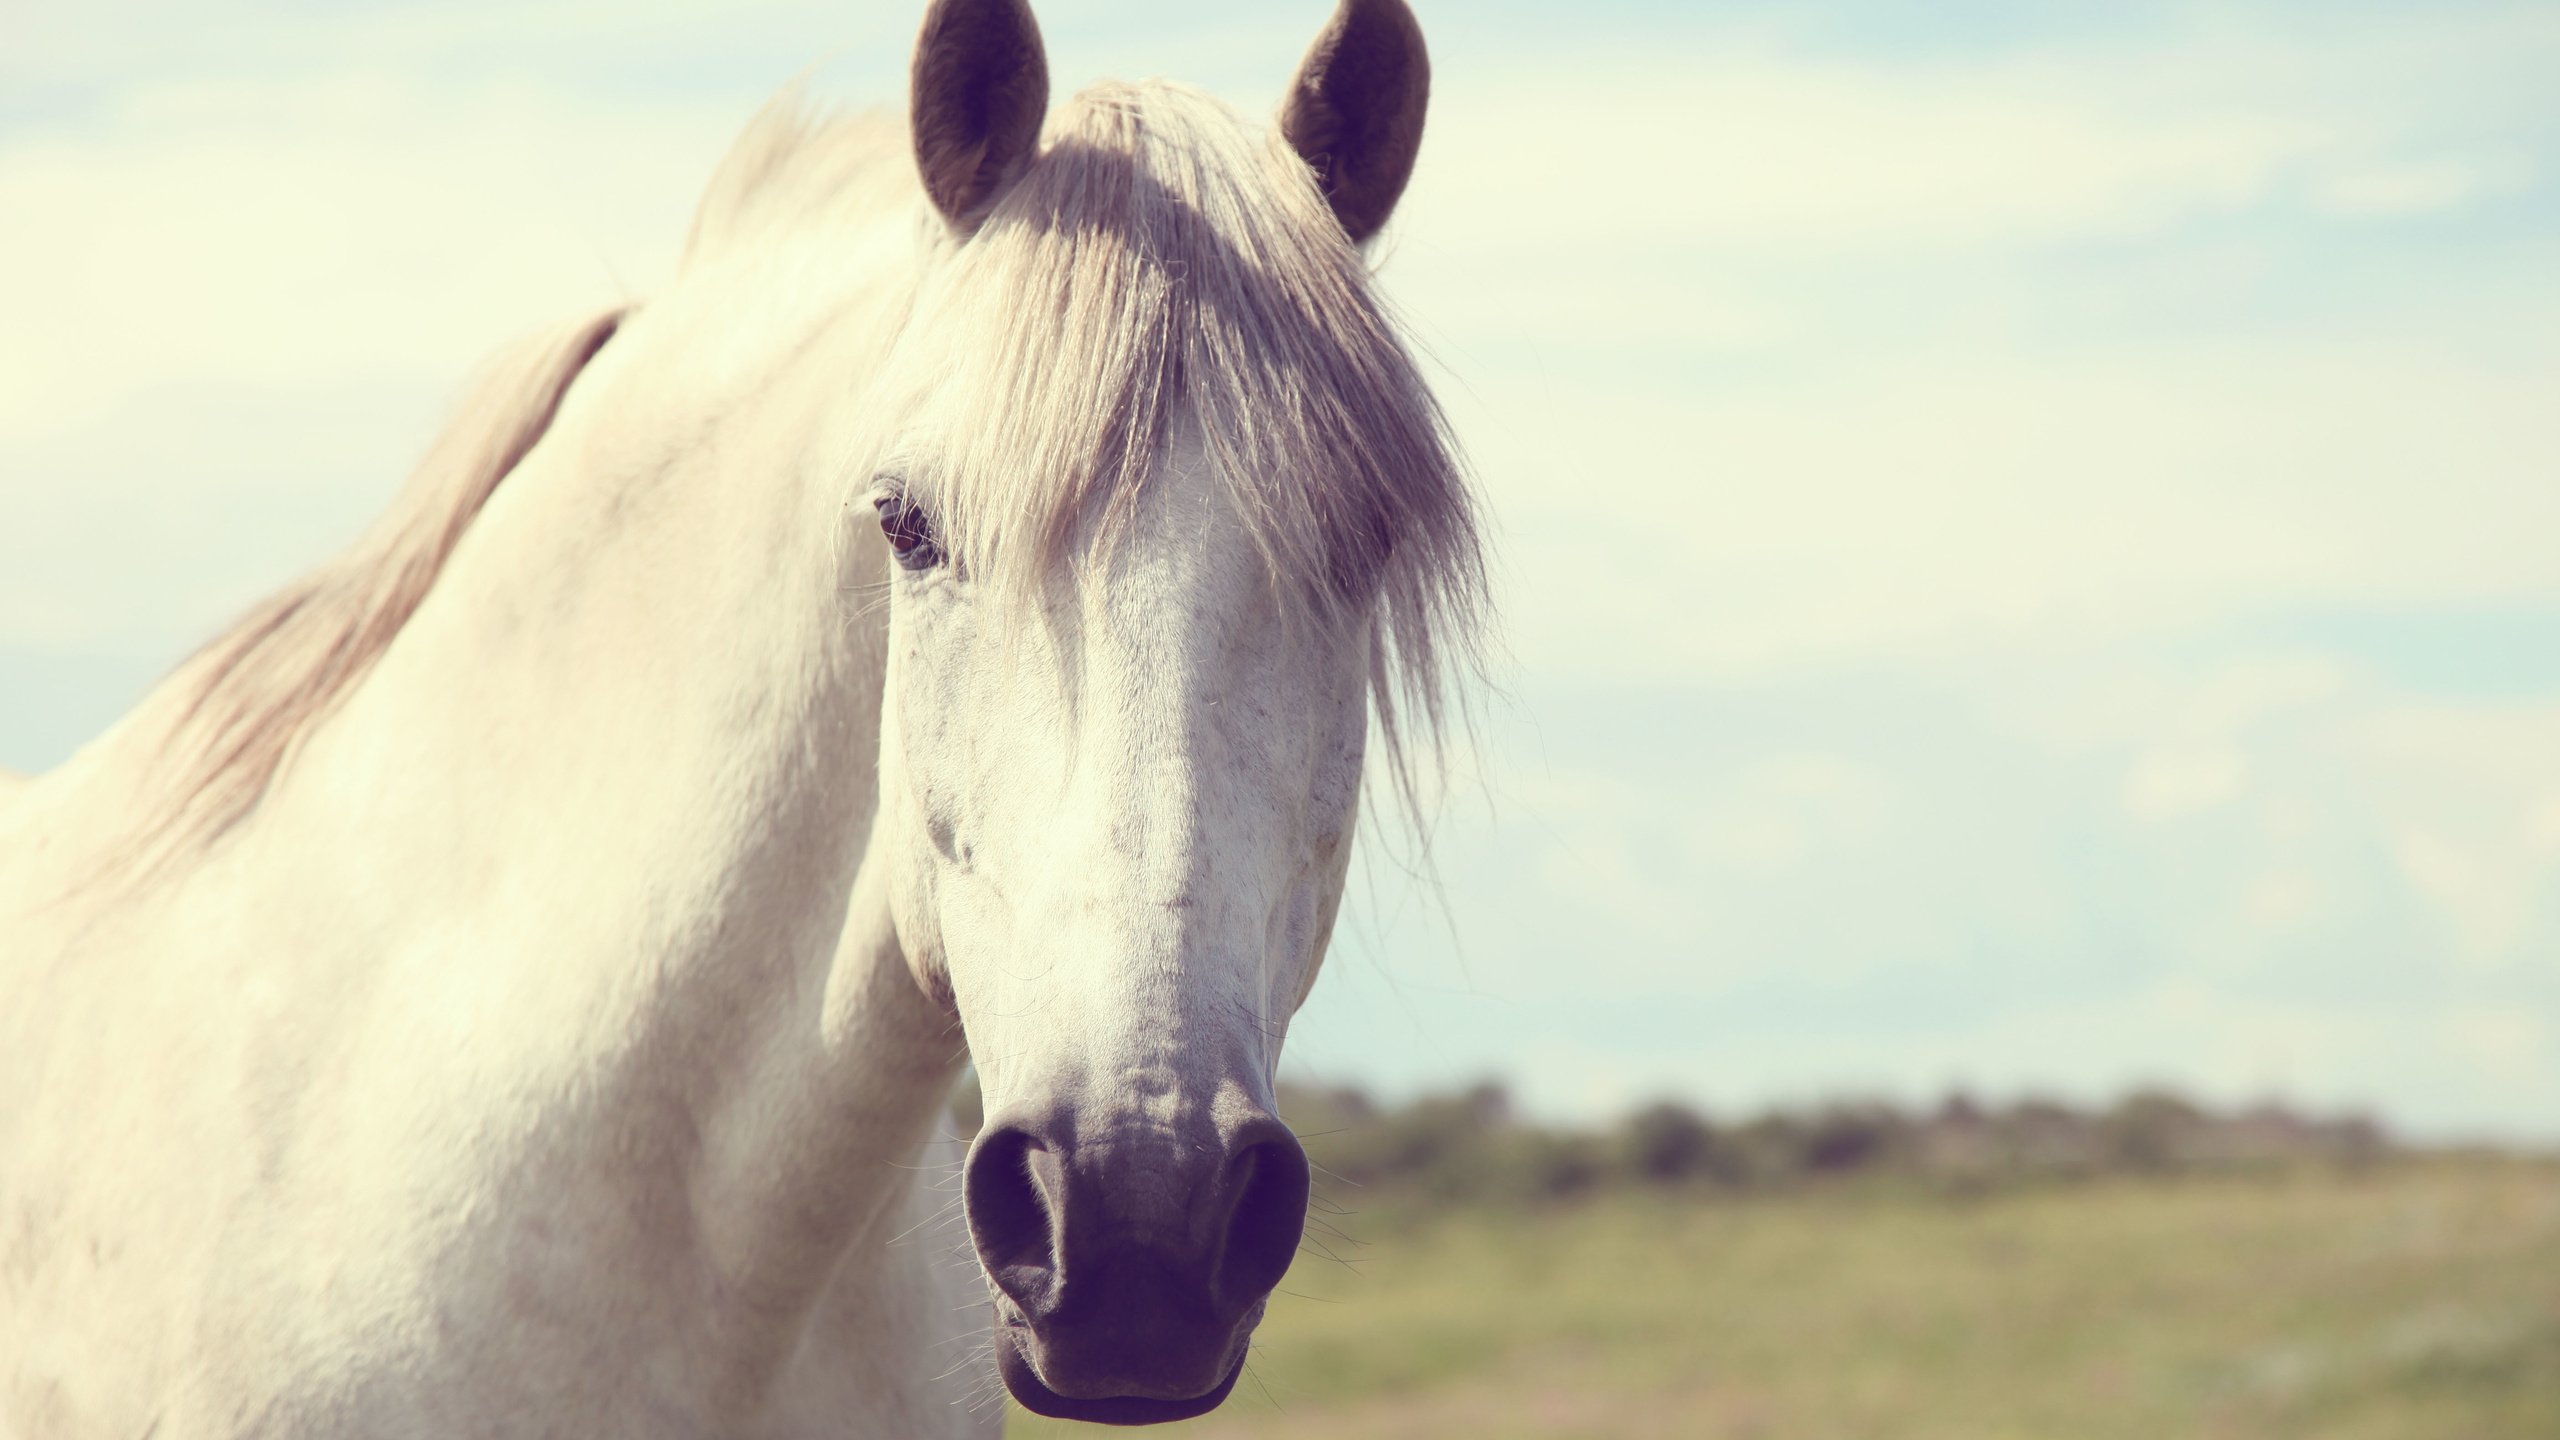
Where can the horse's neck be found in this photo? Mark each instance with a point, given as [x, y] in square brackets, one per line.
[572, 870]
[637, 743]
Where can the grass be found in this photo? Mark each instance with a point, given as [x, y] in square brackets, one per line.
[2419, 1299]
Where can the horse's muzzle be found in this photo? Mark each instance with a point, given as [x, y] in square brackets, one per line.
[1129, 1273]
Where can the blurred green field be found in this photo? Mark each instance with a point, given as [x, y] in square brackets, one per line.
[2417, 1300]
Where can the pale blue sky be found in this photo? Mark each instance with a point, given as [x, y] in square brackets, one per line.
[2027, 529]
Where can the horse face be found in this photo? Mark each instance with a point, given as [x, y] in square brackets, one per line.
[1125, 805]
[1119, 774]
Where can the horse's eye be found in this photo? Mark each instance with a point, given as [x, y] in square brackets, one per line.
[909, 532]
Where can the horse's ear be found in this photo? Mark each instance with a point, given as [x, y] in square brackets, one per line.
[1355, 111]
[978, 92]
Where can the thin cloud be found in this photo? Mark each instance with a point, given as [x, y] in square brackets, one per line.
[1878, 439]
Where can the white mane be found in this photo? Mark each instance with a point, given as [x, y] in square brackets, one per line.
[247, 697]
[1159, 253]
[1177, 260]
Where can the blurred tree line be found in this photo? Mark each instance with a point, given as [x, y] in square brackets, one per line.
[1474, 1145]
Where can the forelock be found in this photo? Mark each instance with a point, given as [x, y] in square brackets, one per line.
[1162, 258]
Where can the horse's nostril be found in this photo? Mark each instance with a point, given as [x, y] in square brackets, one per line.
[1089, 1247]
[1010, 1217]
[1266, 1181]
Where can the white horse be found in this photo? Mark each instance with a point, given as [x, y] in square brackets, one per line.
[506, 985]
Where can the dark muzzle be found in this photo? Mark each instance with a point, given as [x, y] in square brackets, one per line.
[1129, 1274]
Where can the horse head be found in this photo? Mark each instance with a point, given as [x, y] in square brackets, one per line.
[1170, 508]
